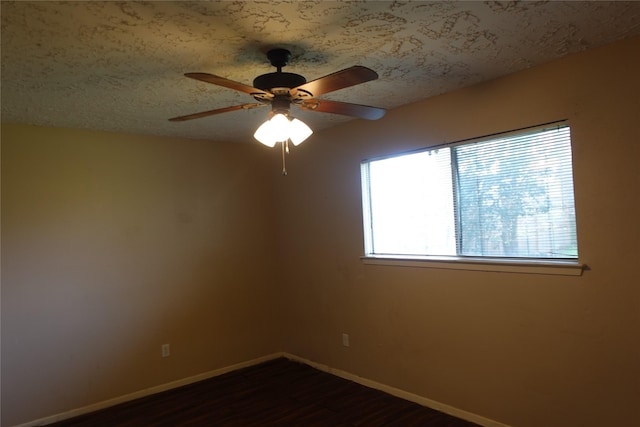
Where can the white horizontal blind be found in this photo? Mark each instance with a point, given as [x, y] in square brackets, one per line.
[515, 196]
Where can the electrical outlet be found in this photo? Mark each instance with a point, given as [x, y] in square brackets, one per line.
[166, 350]
[345, 340]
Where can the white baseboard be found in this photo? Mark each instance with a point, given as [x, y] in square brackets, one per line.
[420, 400]
[447, 409]
[146, 392]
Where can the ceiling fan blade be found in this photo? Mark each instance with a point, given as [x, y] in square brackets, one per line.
[344, 108]
[339, 80]
[213, 112]
[221, 81]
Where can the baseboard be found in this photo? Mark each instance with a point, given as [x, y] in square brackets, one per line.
[438, 406]
[447, 409]
[147, 392]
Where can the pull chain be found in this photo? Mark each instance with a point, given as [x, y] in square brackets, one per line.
[285, 151]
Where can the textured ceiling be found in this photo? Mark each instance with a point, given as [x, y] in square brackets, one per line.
[119, 65]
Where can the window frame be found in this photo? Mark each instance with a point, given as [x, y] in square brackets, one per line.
[557, 266]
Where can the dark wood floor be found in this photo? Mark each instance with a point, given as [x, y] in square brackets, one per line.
[275, 393]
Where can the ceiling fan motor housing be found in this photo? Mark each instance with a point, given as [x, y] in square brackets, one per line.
[274, 80]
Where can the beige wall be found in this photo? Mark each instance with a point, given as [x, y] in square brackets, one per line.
[525, 350]
[115, 244]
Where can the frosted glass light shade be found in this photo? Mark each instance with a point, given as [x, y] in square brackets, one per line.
[264, 134]
[279, 128]
[298, 131]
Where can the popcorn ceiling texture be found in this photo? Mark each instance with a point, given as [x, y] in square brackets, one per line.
[118, 66]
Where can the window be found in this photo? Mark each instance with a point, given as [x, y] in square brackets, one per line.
[505, 197]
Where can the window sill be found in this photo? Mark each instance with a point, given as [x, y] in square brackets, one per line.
[560, 267]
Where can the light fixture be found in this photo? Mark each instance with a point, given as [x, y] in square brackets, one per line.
[281, 128]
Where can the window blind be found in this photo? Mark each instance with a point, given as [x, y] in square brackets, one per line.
[515, 196]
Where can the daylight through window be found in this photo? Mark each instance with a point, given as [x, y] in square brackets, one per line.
[508, 196]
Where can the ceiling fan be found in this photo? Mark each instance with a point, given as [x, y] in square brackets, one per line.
[281, 90]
